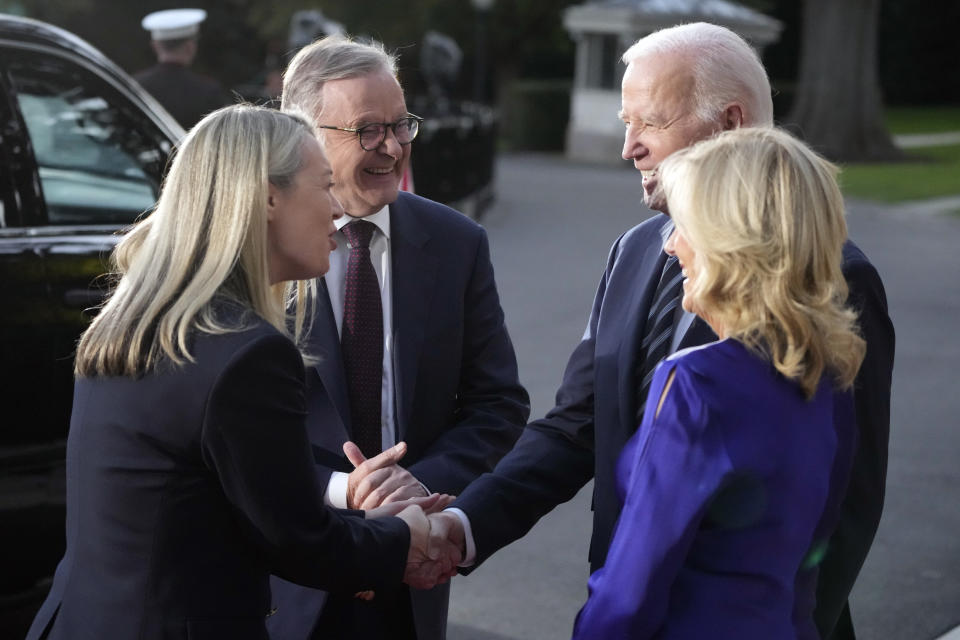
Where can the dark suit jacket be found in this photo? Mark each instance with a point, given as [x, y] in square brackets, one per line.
[459, 404]
[188, 486]
[187, 95]
[595, 415]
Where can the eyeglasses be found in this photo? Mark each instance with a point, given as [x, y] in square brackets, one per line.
[372, 135]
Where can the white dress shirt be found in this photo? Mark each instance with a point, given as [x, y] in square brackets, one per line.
[336, 494]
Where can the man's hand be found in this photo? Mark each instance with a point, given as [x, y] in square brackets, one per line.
[379, 480]
[447, 526]
[429, 504]
[432, 558]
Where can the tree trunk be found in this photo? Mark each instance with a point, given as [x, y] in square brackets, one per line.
[838, 108]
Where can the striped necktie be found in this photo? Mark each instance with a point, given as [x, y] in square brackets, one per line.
[658, 329]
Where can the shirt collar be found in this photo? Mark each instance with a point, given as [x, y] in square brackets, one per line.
[666, 230]
[380, 218]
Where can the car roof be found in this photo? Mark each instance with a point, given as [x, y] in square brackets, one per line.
[18, 31]
[27, 30]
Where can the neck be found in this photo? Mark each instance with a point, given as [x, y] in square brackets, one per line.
[714, 325]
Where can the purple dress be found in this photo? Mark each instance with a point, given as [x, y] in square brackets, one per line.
[729, 497]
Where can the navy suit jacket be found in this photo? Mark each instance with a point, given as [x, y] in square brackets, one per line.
[459, 403]
[596, 409]
[181, 500]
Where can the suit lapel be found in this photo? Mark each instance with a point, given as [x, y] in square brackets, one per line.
[642, 288]
[641, 296]
[414, 277]
[698, 333]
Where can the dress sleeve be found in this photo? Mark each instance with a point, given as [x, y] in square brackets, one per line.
[676, 463]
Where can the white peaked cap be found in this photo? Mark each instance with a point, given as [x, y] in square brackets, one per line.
[174, 23]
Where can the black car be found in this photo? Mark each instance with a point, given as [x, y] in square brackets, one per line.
[82, 153]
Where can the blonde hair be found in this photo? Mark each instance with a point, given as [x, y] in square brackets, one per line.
[334, 57]
[204, 242]
[725, 69]
[765, 218]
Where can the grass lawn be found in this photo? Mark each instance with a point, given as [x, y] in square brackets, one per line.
[922, 119]
[931, 172]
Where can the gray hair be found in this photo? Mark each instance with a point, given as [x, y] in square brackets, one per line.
[725, 69]
[334, 57]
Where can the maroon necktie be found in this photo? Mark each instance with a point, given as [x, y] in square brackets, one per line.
[362, 339]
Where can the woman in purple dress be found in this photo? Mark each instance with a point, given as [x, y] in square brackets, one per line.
[732, 484]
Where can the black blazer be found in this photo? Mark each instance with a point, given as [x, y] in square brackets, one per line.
[459, 403]
[187, 95]
[187, 487]
[582, 436]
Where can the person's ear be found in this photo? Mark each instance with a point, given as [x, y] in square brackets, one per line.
[732, 117]
[273, 196]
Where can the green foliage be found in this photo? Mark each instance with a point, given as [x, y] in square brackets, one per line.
[46, 10]
[526, 35]
[535, 115]
[524, 38]
[394, 23]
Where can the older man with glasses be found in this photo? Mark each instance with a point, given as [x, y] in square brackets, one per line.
[409, 334]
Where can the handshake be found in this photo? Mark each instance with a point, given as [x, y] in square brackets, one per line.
[382, 488]
[436, 542]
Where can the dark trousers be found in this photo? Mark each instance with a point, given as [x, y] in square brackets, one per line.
[388, 615]
[844, 628]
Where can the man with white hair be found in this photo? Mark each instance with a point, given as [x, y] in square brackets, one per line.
[681, 85]
[409, 334]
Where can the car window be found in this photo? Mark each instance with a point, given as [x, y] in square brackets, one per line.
[99, 158]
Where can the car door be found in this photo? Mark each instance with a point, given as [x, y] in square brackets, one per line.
[83, 157]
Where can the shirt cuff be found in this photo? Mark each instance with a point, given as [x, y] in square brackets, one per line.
[336, 493]
[470, 554]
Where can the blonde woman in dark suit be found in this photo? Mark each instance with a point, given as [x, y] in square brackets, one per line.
[187, 459]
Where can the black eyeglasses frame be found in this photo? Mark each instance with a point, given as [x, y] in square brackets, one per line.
[386, 125]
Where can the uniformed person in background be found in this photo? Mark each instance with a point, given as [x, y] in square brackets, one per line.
[187, 95]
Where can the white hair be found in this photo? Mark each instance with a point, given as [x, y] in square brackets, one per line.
[725, 69]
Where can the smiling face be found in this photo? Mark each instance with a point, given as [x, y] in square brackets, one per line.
[658, 112]
[300, 219]
[366, 181]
